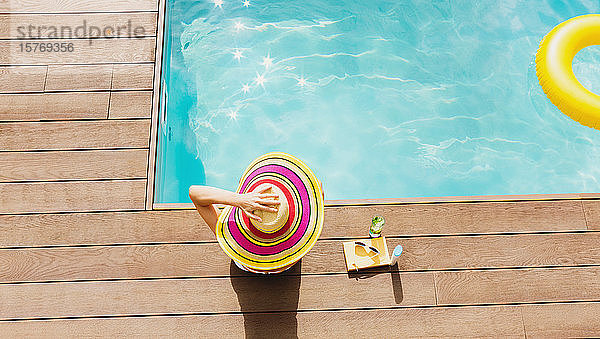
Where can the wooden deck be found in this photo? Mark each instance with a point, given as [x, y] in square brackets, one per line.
[469, 269]
[83, 254]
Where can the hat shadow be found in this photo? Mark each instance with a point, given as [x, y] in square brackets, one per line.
[269, 303]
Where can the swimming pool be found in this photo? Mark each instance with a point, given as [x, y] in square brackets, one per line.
[382, 99]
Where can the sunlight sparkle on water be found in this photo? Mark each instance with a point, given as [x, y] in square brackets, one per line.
[260, 80]
[218, 3]
[237, 54]
[267, 61]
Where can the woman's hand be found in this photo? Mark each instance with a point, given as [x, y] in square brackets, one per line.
[257, 200]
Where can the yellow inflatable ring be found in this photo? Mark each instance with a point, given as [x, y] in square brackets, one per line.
[554, 70]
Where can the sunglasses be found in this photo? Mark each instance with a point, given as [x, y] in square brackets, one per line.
[367, 248]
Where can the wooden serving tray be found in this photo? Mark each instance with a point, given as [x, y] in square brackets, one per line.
[358, 258]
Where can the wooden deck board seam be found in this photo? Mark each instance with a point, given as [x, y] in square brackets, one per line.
[587, 224]
[68, 121]
[243, 275]
[76, 38]
[110, 94]
[399, 307]
[108, 38]
[77, 12]
[442, 235]
[72, 180]
[82, 64]
[72, 212]
[112, 77]
[205, 242]
[46, 77]
[63, 91]
[69, 180]
[73, 150]
[435, 288]
[523, 322]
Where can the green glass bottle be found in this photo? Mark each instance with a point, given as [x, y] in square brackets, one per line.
[376, 226]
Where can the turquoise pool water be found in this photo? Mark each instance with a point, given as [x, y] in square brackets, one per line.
[382, 99]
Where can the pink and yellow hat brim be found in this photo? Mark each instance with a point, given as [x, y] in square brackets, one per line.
[251, 247]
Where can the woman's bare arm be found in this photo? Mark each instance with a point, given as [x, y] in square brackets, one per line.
[204, 198]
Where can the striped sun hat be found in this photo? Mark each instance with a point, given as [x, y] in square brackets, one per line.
[284, 237]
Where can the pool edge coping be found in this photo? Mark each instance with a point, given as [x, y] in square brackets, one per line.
[427, 200]
[156, 88]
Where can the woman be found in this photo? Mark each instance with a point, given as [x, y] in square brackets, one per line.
[273, 219]
[205, 198]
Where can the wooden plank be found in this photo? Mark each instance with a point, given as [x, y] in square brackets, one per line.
[115, 262]
[101, 228]
[132, 76]
[66, 6]
[499, 251]
[73, 165]
[215, 295]
[72, 196]
[189, 223]
[592, 213]
[54, 106]
[15, 79]
[36, 26]
[461, 322]
[184, 260]
[460, 252]
[27, 136]
[448, 218]
[562, 320]
[130, 104]
[22, 79]
[84, 51]
[523, 285]
[78, 77]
